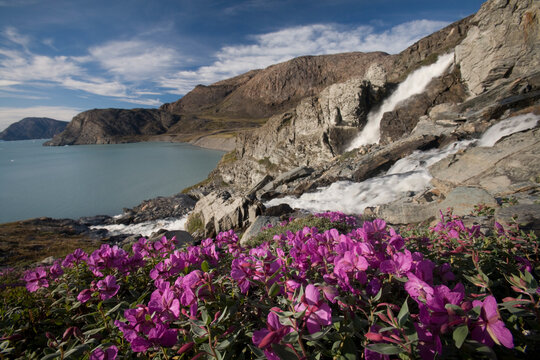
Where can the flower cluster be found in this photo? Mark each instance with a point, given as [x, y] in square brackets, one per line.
[371, 292]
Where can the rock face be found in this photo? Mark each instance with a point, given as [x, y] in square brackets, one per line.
[512, 160]
[502, 44]
[106, 126]
[33, 128]
[263, 93]
[161, 207]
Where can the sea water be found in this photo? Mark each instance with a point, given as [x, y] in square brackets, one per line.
[87, 180]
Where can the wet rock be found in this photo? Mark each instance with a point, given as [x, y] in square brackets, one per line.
[161, 207]
[96, 220]
[278, 210]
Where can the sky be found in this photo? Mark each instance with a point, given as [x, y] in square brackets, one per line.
[61, 57]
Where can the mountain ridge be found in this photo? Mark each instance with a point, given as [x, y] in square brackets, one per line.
[31, 128]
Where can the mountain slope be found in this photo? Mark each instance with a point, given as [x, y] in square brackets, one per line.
[33, 128]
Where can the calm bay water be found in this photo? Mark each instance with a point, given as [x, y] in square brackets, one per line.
[86, 180]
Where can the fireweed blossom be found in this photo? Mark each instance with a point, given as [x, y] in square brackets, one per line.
[489, 328]
[143, 331]
[273, 333]
[109, 354]
[107, 287]
[76, 257]
[36, 279]
[317, 312]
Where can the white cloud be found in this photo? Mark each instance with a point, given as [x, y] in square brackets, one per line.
[135, 60]
[96, 86]
[148, 102]
[9, 115]
[8, 82]
[126, 64]
[14, 36]
[285, 44]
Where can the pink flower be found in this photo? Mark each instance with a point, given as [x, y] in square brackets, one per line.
[107, 288]
[36, 279]
[165, 302]
[85, 295]
[490, 328]
[274, 332]
[317, 313]
[400, 263]
[418, 289]
[109, 354]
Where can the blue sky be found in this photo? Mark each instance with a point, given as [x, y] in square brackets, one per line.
[58, 57]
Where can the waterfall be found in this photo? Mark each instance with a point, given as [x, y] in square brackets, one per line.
[409, 174]
[414, 84]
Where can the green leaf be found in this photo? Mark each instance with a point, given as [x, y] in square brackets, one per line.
[460, 334]
[205, 318]
[385, 349]
[257, 352]
[378, 296]
[93, 331]
[348, 350]
[403, 315]
[204, 266]
[198, 331]
[114, 309]
[284, 352]
[76, 349]
[274, 290]
[291, 337]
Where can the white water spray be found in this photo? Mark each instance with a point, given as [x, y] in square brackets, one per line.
[414, 84]
[146, 228]
[409, 174]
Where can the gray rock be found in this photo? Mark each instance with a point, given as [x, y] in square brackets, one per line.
[461, 199]
[256, 227]
[278, 210]
[161, 207]
[512, 160]
[526, 215]
[220, 211]
[503, 43]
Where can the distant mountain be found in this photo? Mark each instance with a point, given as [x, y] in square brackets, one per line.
[33, 128]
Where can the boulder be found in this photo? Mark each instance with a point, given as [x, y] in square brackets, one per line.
[257, 226]
[221, 211]
[161, 207]
[513, 159]
[461, 199]
[526, 215]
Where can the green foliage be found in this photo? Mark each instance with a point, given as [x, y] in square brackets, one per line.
[270, 167]
[322, 224]
[228, 158]
[194, 223]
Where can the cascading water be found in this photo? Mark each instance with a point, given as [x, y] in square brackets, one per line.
[409, 174]
[414, 84]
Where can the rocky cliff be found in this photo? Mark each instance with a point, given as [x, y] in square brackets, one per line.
[33, 128]
[494, 76]
[106, 126]
[223, 108]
